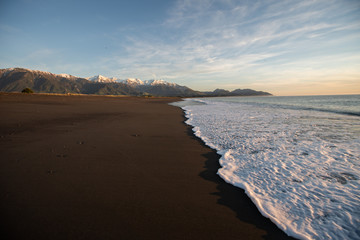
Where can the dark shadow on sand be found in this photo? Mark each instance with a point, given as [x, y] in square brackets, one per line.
[235, 198]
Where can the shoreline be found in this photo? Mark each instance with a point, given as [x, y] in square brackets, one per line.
[108, 168]
[227, 191]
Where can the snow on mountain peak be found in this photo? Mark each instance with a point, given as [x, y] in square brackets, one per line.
[138, 82]
[64, 75]
[100, 78]
[133, 81]
[159, 82]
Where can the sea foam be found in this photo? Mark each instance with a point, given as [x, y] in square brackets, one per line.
[301, 168]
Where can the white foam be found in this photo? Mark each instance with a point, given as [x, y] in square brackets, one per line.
[301, 168]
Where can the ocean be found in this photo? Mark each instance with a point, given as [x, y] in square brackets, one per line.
[297, 158]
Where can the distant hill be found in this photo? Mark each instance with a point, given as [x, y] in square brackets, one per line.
[237, 92]
[16, 79]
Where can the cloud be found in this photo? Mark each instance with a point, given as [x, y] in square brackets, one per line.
[238, 42]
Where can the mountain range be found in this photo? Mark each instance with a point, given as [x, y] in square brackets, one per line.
[16, 79]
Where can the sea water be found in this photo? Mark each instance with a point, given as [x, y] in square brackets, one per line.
[297, 158]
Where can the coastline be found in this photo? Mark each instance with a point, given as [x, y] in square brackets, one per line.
[97, 167]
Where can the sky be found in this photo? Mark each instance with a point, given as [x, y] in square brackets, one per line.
[286, 47]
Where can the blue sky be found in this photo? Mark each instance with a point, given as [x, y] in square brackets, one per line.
[284, 47]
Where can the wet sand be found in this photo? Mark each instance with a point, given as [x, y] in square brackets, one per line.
[96, 167]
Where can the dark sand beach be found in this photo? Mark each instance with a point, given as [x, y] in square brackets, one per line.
[96, 167]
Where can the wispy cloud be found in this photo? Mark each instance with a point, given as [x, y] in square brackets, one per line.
[227, 40]
[203, 44]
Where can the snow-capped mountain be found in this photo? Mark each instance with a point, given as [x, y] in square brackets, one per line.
[99, 78]
[153, 87]
[63, 75]
[68, 76]
[153, 82]
[159, 82]
[16, 79]
[133, 82]
[130, 81]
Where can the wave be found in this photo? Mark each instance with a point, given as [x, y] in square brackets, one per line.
[298, 165]
[340, 104]
[308, 108]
